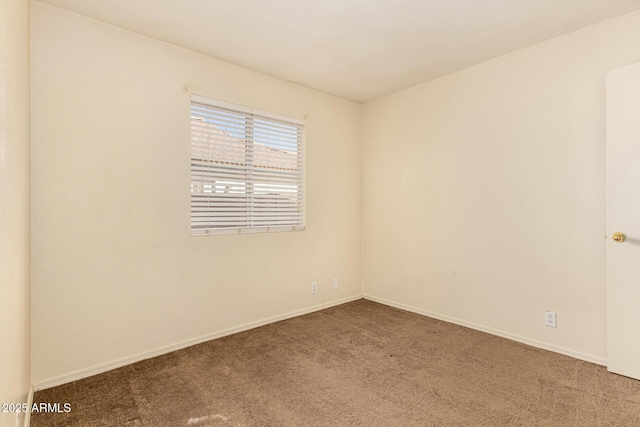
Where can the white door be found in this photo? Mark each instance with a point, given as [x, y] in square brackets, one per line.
[623, 216]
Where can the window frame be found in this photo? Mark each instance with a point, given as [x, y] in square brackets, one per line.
[251, 115]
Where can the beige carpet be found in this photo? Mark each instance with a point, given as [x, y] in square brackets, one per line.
[359, 364]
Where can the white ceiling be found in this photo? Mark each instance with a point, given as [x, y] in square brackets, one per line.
[355, 49]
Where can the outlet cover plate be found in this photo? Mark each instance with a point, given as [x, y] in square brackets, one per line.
[550, 318]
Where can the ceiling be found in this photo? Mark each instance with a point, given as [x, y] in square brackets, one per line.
[355, 49]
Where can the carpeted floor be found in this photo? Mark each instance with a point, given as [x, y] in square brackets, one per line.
[358, 364]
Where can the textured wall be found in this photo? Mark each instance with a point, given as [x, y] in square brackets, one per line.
[483, 191]
[116, 274]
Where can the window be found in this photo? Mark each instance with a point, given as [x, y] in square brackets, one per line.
[247, 170]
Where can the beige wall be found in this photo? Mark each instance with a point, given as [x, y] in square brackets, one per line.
[116, 274]
[15, 375]
[483, 191]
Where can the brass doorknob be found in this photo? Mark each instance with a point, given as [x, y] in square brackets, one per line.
[618, 237]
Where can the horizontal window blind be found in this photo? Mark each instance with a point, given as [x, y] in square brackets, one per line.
[247, 170]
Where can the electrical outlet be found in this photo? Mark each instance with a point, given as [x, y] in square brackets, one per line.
[550, 318]
[314, 287]
[334, 283]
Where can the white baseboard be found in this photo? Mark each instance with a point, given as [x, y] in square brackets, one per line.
[27, 415]
[534, 343]
[104, 367]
